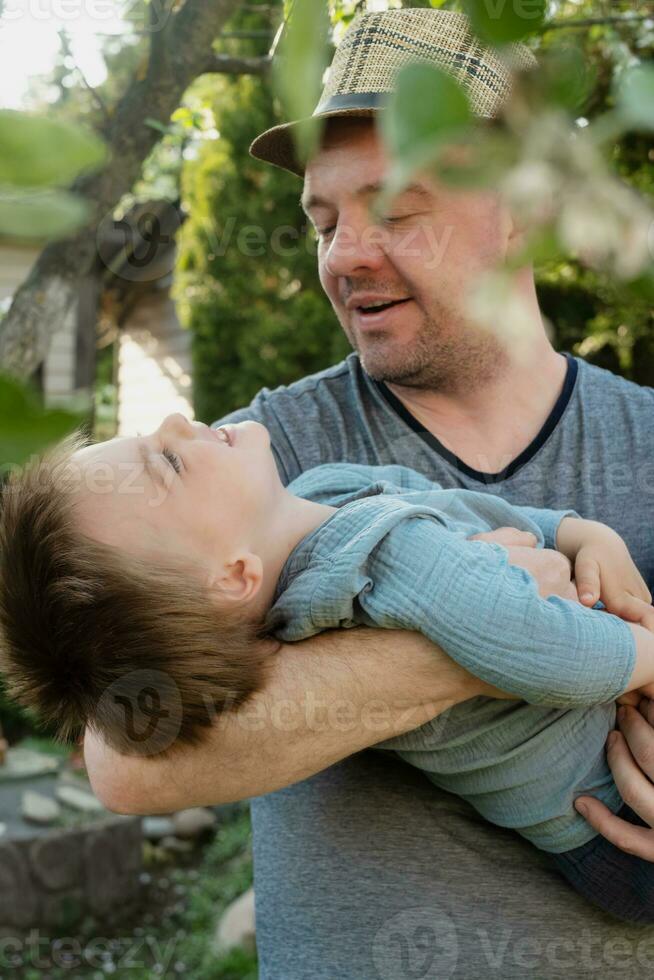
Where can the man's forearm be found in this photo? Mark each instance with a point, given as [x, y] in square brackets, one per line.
[326, 698]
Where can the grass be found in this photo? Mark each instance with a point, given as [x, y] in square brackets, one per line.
[170, 934]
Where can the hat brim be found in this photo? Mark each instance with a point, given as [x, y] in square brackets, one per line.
[277, 145]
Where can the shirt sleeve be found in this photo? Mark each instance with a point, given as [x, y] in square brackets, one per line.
[548, 521]
[333, 483]
[485, 613]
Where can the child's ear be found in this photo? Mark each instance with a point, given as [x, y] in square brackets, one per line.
[239, 580]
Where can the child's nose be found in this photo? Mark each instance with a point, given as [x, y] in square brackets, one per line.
[177, 424]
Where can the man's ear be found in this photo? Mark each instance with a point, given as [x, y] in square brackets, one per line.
[239, 580]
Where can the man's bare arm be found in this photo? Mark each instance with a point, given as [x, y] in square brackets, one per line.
[327, 697]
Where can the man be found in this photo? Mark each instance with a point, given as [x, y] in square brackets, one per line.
[367, 871]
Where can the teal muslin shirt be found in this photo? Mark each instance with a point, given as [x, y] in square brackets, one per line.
[395, 554]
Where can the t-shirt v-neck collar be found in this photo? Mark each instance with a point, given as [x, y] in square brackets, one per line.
[516, 464]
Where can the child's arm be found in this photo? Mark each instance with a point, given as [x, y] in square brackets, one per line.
[488, 616]
[603, 567]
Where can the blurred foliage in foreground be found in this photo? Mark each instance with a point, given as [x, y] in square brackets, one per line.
[257, 311]
[247, 282]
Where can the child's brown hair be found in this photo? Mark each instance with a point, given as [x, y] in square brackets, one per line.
[92, 636]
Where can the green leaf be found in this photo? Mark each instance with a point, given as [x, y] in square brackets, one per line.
[480, 159]
[299, 68]
[501, 21]
[27, 428]
[427, 108]
[542, 246]
[41, 152]
[635, 96]
[40, 214]
[641, 288]
[155, 124]
[565, 77]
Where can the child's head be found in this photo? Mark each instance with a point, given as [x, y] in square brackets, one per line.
[129, 580]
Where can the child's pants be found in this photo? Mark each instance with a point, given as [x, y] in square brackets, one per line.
[620, 883]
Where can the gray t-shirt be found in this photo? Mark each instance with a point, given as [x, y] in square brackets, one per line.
[367, 871]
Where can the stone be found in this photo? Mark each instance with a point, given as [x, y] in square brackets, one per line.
[38, 808]
[193, 822]
[18, 898]
[79, 799]
[21, 763]
[72, 777]
[56, 859]
[154, 828]
[107, 882]
[128, 837]
[236, 927]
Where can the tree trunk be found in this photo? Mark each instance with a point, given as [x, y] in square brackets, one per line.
[181, 48]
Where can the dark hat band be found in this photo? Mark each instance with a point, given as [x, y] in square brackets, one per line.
[356, 100]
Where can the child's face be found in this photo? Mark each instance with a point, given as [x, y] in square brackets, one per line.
[131, 496]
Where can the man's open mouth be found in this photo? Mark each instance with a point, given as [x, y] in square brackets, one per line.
[378, 307]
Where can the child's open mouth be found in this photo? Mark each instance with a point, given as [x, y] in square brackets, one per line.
[223, 434]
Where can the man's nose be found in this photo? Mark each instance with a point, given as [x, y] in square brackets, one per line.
[354, 247]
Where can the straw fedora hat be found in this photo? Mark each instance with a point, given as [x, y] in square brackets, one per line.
[376, 46]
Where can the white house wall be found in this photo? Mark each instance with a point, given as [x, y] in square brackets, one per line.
[154, 367]
[59, 365]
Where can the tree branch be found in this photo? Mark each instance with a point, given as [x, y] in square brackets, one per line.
[65, 44]
[224, 64]
[592, 21]
[180, 49]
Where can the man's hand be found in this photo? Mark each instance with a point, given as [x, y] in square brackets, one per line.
[604, 570]
[630, 754]
[551, 570]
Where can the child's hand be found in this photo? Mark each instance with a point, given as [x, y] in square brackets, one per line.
[604, 570]
[509, 537]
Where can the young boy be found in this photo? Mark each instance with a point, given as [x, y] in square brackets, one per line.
[180, 553]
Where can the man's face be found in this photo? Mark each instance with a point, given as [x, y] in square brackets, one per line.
[184, 490]
[420, 257]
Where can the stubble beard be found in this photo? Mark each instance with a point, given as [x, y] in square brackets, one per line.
[451, 360]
